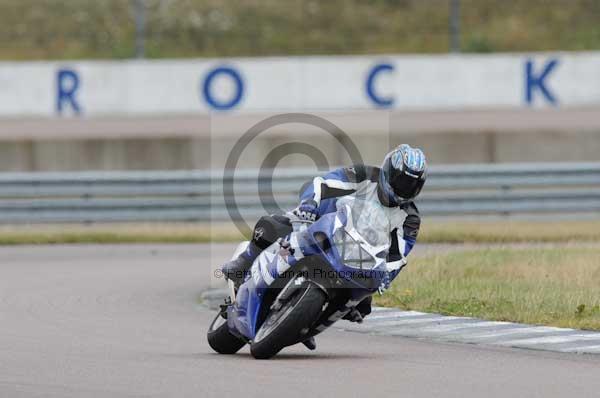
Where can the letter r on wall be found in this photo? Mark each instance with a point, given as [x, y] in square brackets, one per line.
[67, 84]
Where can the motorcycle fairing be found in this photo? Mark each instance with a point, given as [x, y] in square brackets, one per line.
[274, 261]
[267, 267]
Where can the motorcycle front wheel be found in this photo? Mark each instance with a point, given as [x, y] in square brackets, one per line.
[221, 339]
[284, 327]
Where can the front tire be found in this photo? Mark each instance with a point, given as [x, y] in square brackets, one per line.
[221, 339]
[283, 327]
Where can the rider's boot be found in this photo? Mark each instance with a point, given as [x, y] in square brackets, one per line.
[358, 313]
[354, 316]
[266, 232]
[310, 343]
[237, 269]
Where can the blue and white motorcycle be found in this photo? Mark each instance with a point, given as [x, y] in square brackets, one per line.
[304, 283]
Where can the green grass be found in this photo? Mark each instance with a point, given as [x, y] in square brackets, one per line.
[494, 232]
[117, 234]
[558, 287]
[509, 231]
[66, 29]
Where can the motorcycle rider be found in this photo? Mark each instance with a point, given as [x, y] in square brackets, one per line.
[398, 181]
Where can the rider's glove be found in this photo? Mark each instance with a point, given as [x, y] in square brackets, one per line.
[307, 211]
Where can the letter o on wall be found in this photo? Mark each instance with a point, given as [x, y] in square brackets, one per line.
[231, 73]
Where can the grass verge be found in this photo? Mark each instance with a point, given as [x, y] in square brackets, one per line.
[510, 231]
[558, 286]
[117, 234]
[431, 232]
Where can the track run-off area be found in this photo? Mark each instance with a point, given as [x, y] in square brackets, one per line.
[125, 321]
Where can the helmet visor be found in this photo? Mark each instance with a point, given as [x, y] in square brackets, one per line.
[405, 185]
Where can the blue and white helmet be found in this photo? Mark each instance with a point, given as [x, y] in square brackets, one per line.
[403, 174]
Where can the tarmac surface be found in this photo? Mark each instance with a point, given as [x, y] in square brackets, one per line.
[125, 321]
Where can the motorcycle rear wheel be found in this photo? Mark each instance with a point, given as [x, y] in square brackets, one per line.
[283, 327]
[221, 339]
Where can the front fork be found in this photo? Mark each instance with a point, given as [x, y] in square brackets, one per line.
[232, 292]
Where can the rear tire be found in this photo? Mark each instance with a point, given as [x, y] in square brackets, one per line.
[303, 311]
[221, 339]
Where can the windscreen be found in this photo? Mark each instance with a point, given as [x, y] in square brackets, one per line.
[370, 219]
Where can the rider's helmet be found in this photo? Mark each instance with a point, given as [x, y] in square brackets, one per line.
[403, 174]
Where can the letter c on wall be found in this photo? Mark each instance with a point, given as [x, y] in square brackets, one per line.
[238, 90]
[380, 101]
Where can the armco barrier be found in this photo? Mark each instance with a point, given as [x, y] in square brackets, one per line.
[509, 189]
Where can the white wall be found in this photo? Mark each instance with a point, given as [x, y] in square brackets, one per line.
[299, 84]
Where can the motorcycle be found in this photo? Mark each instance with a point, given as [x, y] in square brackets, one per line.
[304, 283]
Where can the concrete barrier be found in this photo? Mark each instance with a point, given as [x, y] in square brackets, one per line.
[199, 142]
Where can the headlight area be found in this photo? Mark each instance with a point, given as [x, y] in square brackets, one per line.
[351, 253]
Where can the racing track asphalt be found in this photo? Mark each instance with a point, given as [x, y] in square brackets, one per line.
[123, 321]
